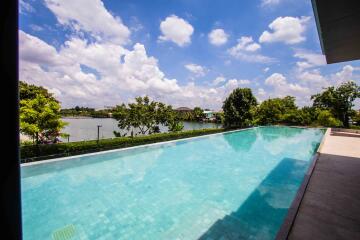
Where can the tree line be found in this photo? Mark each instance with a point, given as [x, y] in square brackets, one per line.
[333, 107]
[85, 112]
[40, 112]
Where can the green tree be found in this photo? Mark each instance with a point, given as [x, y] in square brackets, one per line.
[40, 118]
[29, 91]
[277, 110]
[356, 118]
[326, 119]
[219, 116]
[238, 108]
[338, 100]
[307, 116]
[175, 126]
[145, 116]
[198, 113]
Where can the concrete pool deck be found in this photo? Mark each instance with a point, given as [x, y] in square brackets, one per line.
[330, 207]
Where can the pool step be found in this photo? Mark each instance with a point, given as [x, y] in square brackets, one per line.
[64, 233]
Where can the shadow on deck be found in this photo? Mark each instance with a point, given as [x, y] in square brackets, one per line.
[330, 208]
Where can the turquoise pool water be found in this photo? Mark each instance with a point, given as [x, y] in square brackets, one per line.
[236, 185]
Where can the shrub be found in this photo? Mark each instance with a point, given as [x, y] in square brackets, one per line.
[277, 111]
[31, 153]
[326, 119]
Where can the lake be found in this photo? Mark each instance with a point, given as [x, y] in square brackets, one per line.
[86, 128]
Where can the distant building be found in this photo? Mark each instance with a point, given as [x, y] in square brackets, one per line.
[209, 115]
[183, 109]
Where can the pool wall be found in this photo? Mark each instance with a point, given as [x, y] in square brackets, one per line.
[129, 148]
[285, 228]
[143, 145]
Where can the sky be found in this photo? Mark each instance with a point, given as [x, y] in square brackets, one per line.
[189, 53]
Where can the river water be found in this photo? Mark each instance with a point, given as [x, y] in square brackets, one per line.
[86, 128]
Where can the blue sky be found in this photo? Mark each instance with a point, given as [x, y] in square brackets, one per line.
[185, 53]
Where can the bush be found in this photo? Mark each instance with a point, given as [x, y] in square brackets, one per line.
[277, 111]
[326, 119]
[30, 153]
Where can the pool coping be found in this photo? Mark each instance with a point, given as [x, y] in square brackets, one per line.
[146, 145]
[129, 148]
[289, 220]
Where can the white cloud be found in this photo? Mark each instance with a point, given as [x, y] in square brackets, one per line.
[60, 71]
[92, 18]
[197, 70]
[282, 88]
[261, 92]
[246, 44]
[36, 28]
[25, 7]
[235, 83]
[245, 50]
[34, 50]
[218, 80]
[218, 37]
[276, 79]
[314, 79]
[346, 74]
[177, 30]
[123, 75]
[266, 3]
[232, 84]
[286, 29]
[243, 81]
[266, 69]
[310, 59]
[135, 24]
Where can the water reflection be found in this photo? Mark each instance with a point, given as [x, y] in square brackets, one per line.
[270, 134]
[243, 143]
[261, 215]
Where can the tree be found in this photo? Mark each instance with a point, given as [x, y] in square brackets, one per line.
[39, 113]
[338, 100]
[238, 108]
[307, 116]
[219, 116]
[326, 119]
[269, 111]
[277, 110]
[175, 126]
[356, 118]
[145, 116]
[40, 118]
[29, 91]
[198, 113]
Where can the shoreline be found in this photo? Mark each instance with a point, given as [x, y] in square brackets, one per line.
[83, 117]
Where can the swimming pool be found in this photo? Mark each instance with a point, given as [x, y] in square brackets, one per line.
[233, 185]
